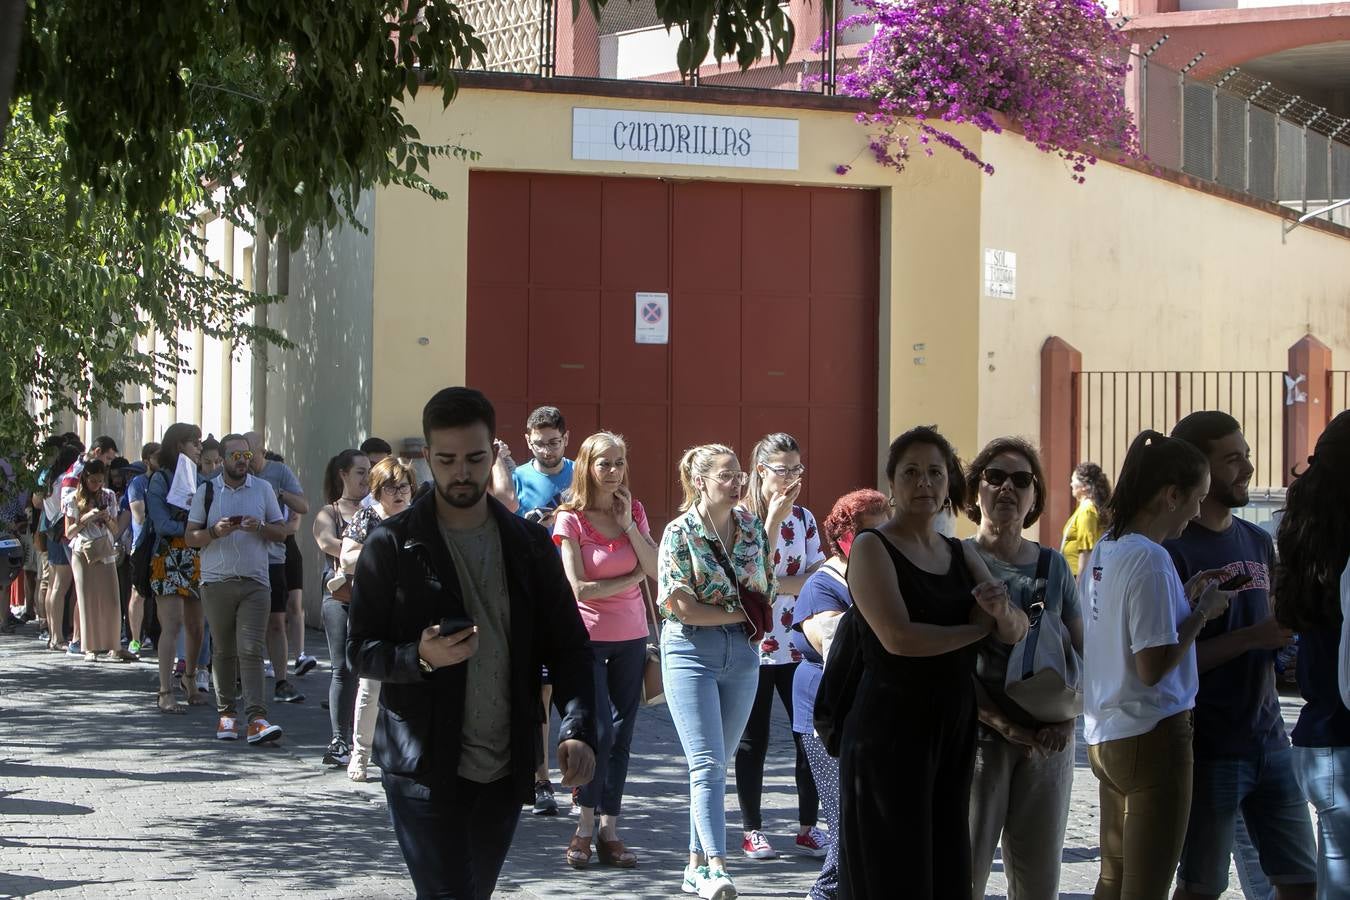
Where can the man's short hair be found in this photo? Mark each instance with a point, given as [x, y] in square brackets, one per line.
[546, 417]
[456, 407]
[376, 445]
[1201, 429]
[103, 443]
[232, 437]
[149, 451]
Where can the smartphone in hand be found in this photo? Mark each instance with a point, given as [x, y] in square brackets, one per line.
[453, 624]
[1237, 582]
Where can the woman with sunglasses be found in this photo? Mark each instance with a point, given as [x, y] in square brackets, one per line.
[775, 484]
[607, 553]
[1019, 797]
[346, 482]
[391, 487]
[714, 586]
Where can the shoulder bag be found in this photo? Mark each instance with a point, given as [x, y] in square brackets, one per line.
[343, 594]
[1045, 672]
[653, 686]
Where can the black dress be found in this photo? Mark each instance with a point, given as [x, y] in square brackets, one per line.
[907, 751]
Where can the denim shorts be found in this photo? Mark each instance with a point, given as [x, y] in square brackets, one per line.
[1263, 788]
[58, 554]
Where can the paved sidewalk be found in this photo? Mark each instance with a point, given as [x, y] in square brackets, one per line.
[102, 796]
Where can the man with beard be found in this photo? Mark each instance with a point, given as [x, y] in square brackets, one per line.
[1243, 762]
[456, 604]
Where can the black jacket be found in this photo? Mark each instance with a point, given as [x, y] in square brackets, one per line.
[405, 580]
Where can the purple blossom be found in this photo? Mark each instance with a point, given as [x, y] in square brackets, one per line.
[1056, 68]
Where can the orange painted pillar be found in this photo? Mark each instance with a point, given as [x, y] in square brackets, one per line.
[1307, 401]
[1060, 363]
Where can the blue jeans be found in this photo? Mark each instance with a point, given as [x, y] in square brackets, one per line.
[1263, 790]
[1324, 775]
[710, 673]
[618, 689]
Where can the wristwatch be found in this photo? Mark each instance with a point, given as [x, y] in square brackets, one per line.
[425, 666]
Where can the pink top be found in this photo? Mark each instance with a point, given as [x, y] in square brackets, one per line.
[622, 616]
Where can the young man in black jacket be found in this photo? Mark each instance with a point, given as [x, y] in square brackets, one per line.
[458, 730]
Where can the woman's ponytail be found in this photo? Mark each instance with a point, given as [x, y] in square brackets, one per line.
[1153, 462]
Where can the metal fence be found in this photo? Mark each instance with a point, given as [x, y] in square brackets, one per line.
[1112, 407]
[1245, 134]
[633, 45]
[1338, 392]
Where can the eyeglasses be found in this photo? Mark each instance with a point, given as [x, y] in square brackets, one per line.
[604, 466]
[236, 455]
[785, 472]
[555, 444]
[730, 478]
[1020, 480]
[398, 490]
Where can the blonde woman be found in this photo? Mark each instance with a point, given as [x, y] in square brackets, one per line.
[391, 490]
[91, 516]
[607, 552]
[714, 587]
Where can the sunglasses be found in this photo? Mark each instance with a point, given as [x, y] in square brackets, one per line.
[1020, 480]
[237, 455]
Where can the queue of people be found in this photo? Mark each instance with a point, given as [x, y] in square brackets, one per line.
[932, 684]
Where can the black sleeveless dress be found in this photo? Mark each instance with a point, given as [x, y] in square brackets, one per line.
[907, 751]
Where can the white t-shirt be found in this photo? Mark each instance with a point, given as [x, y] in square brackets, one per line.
[1132, 600]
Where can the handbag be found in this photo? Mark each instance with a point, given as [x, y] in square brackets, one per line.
[653, 686]
[839, 683]
[757, 608]
[1045, 672]
[344, 593]
[97, 549]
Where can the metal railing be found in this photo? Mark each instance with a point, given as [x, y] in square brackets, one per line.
[1112, 407]
[1241, 132]
[631, 44]
[1338, 392]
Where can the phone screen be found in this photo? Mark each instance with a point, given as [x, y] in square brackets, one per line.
[1235, 582]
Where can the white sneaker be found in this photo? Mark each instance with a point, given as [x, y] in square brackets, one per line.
[268, 671]
[203, 681]
[356, 769]
[716, 885]
[693, 877]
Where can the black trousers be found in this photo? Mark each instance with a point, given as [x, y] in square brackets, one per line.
[453, 850]
[754, 747]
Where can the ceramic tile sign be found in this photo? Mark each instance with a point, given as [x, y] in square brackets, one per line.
[627, 135]
[1000, 274]
[652, 321]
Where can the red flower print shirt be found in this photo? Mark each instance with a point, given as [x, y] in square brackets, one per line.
[798, 551]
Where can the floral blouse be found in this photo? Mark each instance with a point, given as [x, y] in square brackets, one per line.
[687, 562]
[797, 553]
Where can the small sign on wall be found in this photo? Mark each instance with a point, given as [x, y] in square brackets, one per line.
[652, 320]
[1000, 274]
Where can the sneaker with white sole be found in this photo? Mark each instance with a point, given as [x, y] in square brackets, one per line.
[73, 649]
[304, 663]
[756, 846]
[203, 681]
[716, 885]
[227, 728]
[693, 877]
[268, 672]
[260, 731]
[814, 843]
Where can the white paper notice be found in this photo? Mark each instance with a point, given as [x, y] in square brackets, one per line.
[652, 320]
[1000, 274]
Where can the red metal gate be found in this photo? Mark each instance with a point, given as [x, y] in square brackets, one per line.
[773, 311]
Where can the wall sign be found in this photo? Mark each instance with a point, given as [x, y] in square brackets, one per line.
[628, 135]
[652, 319]
[1000, 274]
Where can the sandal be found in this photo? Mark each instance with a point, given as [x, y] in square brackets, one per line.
[614, 853]
[579, 851]
[174, 708]
[188, 682]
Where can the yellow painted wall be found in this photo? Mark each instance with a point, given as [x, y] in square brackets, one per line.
[929, 232]
[1140, 273]
[1136, 271]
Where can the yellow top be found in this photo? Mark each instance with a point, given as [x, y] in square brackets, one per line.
[1081, 533]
